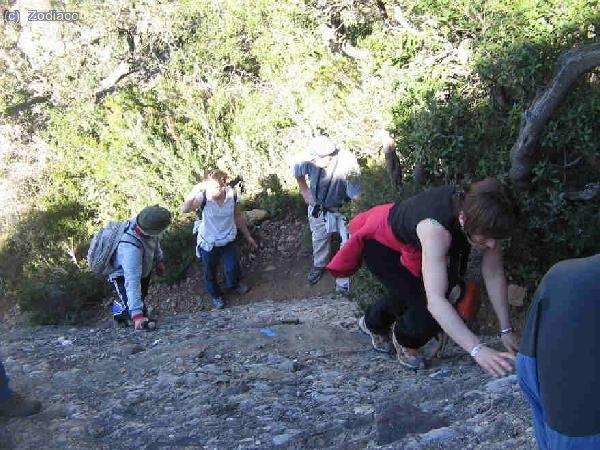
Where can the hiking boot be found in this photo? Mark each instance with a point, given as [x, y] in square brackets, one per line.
[440, 345]
[241, 289]
[218, 303]
[315, 275]
[407, 357]
[379, 342]
[18, 406]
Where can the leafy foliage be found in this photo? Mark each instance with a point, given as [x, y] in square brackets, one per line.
[243, 85]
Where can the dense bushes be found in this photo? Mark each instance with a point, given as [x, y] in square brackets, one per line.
[242, 86]
[462, 124]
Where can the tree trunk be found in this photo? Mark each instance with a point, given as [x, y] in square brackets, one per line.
[571, 66]
[392, 162]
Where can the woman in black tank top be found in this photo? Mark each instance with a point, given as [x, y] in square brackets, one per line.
[444, 223]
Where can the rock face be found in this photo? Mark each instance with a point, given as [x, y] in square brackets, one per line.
[215, 380]
[516, 295]
[255, 216]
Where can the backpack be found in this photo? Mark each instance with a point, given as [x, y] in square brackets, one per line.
[103, 246]
[201, 207]
[203, 204]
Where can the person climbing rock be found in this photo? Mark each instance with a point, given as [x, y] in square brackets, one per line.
[216, 232]
[418, 248]
[333, 176]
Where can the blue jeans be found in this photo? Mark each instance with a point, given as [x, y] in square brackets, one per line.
[5, 392]
[546, 437]
[231, 266]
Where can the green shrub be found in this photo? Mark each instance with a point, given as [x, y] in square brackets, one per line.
[64, 294]
[277, 201]
[242, 86]
[179, 247]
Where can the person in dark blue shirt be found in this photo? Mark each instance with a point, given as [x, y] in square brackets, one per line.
[558, 364]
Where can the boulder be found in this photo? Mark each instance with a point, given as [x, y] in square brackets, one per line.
[255, 216]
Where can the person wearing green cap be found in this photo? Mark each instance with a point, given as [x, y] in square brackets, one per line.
[137, 254]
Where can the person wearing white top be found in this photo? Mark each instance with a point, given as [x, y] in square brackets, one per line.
[216, 232]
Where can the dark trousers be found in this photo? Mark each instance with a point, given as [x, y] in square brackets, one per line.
[121, 310]
[231, 267]
[5, 392]
[405, 302]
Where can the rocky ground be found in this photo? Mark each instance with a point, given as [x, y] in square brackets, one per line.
[284, 374]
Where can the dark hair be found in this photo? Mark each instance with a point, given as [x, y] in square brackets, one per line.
[489, 209]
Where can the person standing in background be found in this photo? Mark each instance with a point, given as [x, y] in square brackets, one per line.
[333, 177]
[217, 202]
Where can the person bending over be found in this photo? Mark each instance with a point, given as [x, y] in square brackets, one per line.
[418, 248]
[137, 255]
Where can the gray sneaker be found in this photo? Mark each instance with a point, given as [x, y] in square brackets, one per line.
[440, 346]
[315, 274]
[405, 357]
[342, 290]
[18, 406]
[379, 342]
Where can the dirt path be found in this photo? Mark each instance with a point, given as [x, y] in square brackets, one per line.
[276, 272]
[284, 366]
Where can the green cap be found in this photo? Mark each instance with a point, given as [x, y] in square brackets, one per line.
[153, 220]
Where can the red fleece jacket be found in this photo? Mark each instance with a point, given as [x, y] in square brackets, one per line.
[372, 224]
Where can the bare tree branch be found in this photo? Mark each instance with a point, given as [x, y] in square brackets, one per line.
[13, 110]
[120, 72]
[571, 66]
[399, 18]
